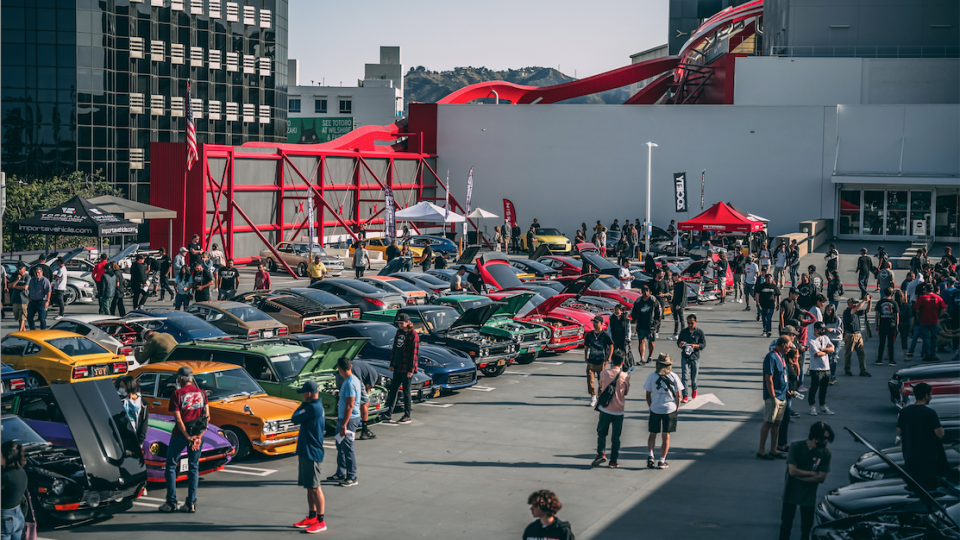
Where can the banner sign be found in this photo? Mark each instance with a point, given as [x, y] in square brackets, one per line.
[680, 190]
[703, 179]
[509, 213]
[469, 190]
[446, 198]
[310, 228]
[391, 215]
[317, 130]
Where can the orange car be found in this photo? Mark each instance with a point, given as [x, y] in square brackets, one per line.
[249, 418]
[415, 295]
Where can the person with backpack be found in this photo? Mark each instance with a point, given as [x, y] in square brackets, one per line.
[833, 259]
[691, 341]
[888, 320]
[597, 351]
[615, 384]
[191, 413]
[663, 389]
[544, 506]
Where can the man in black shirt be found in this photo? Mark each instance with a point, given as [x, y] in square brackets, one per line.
[815, 278]
[920, 430]
[852, 339]
[515, 233]
[888, 320]
[615, 226]
[164, 265]
[229, 281]
[790, 310]
[916, 263]
[597, 350]
[531, 236]
[42, 264]
[691, 341]
[620, 333]
[864, 269]
[677, 303]
[195, 250]
[202, 281]
[138, 282]
[767, 295]
[646, 314]
[659, 289]
[392, 250]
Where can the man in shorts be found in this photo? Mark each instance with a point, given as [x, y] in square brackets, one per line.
[309, 416]
[663, 389]
[18, 295]
[774, 398]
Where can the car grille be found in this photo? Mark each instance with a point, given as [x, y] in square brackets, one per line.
[461, 378]
[287, 426]
[570, 332]
[377, 399]
[498, 350]
[525, 338]
[556, 247]
[97, 498]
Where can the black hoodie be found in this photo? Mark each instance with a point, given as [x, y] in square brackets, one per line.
[558, 530]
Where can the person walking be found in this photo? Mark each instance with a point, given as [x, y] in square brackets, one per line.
[620, 334]
[834, 289]
[361, 259]
[646, 313]
[808, 463]
[852, 339]
[191, 413]
[885, 277]
[623, 274]
[348, 420]
[792, 358]
[793, 261]
[122, 287]
[767, 296]
[59, 285]
[202, 283]
[138, 282]
[722, 265]
[229, 277]
[157, 346]
[920, 431]
[165, 273]
[820, 348]
[663, 389]
[531, 240]
[903, 321]
[887, 320]
[775, 385]
[678, 302]
[261, 280]
[309, 416]
[38, 295]
[779, 263]
[691, 341]
[739, 268]
[316, 270]
[19, 298]
[403, 362]
[597, 350]
[217, 258]
[611, 412]
[184, 288]
[98, 270]
[834, 326]
[544, 506]
[926, 309]
[764, 258]
[108, 290]
[864, 269]
[833, 259]
[750, 273]
[13, 488]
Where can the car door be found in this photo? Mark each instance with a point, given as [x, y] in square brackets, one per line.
[286, 252]
[156, 388]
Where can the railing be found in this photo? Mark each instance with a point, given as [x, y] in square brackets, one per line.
[866, 52]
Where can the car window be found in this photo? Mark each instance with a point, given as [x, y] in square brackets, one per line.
[324, 298]
[549, 232]
[41, 408]
[15, 429]
[227, 383]
[285, 248]
[246, 314]
[258, 367]
[148, 384]
[362, 287]
[214, 315]
[76, 346]
[404, 286]
[31, 349]
[188, 353]
[13, 346]
[599, 285]
[68, 326]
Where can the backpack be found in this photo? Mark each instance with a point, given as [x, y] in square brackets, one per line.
[606, 397]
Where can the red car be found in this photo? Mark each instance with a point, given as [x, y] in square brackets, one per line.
[567, 266]
[938, 387]
[565, 334]
[595, 285]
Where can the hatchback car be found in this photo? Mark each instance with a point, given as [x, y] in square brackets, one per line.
[239, 319]
[415, 296]
[368, 297]
[54, 355]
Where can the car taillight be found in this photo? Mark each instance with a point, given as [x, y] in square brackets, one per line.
[436, 290]
[125, 351]
[282, 332]
[411, 301]
[374, 301]
[18, 384]
[252, 334]
[426, 383]
[81, 372]
[355, 314]
[120, 367]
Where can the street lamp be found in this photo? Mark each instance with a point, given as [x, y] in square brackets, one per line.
[649, 231]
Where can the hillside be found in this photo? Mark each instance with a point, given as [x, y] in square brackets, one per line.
[425, 86]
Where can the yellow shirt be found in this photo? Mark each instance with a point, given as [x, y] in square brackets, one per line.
[316, 270]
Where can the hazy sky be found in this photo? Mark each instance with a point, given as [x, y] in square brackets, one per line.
[334, 39]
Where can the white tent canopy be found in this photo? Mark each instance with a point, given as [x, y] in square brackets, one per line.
[427, 211]
[480, 213]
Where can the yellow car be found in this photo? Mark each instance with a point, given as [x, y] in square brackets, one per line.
[249, 418]
[55, 355]
[381, 245]
[558, 243]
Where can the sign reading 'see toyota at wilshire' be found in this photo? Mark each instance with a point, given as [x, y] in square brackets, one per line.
[680, 188]
[317, 130]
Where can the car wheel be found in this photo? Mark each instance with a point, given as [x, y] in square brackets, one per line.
[35, 380]
[302, 270]
[238, 439]
[493, 371]
[71, 295]
[271, 266]
[526, 358]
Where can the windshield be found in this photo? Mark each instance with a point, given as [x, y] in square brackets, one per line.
[247, 314]
[533, 302]
[403, 285]
[611, 281]
[317, 250]
[227, 383]
[190, 323]
[381, 335]
[322, 297]
[549, 232]
[431, 280]
[361, 287]
[504, 274]
[76, 346]
[439, 319]
[534, 266]
[15, 429]
[470, 304]
[599, 285]
[289, 365]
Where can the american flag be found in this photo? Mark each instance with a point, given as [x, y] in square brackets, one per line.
[191, 133]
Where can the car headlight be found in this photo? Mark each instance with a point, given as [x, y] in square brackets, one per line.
[556, 332]
[580, 332]
[155, 449]
[271, 427]
[57, 487]
[428, 361]
[543, 335]
[484, 352]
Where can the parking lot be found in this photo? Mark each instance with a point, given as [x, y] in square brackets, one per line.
[464, 467]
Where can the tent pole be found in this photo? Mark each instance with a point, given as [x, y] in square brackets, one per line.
[46, 244]
[170, 237]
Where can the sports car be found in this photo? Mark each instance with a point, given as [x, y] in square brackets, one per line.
[870, 467]
[239, 319]
[552, 238]
[530, 337]
[566, 266]
[414, 295]
[182, 326]
[438, 244]
[539, 271]
[54, 355]
[938, 387]
[364, 295]
[565, 334]
[429, 283]
[594, 285]
[296, 312]
[933, 370]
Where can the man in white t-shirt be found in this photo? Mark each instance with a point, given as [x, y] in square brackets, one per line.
[60, 286]
[624, 275]
[820, 350]
[779, 263]
[663, 389]
[751, 271]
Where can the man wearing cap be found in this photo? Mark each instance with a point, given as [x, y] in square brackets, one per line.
[189, 407]
[833, 258]
[403, 361]
[663, 389]
[646, 313]
[178, 261]
[820, 348]
[457, 282]
[864, 268]
[852, 340]
[309, 416]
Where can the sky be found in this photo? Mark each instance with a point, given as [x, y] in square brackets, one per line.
[334, 39]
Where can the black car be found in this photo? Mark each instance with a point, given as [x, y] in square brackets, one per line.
[871, 467]
[933, 370]
[542, 271]
[106, 472]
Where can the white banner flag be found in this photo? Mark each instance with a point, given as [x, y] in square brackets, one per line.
[446, 198]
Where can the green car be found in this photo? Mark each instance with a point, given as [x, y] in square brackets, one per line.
[531, 338]
[281, 368]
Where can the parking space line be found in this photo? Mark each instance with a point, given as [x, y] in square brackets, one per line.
[145, 498]
[441, 405]
[550, 363]
[252, 471]
[478, 388]
[148, 505]
[517, 374]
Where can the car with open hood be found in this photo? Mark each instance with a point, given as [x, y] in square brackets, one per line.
[566, 332]
[555, 241]
[40, 409]
[593, 262]
[695, 276]
[924, 371]
[280, 367]
[297, 312]
[238, 319]
[870, 466]
[573, 309]
[414, 296]
[101, 474]
[531, 338]
[54, 355]
[592, 285]
[566, 266]
[537, 270]
[445, 326]
[118, 335]
[249, 418]
[179, 324]
[297, 255]
[449, 369]
[358, 293]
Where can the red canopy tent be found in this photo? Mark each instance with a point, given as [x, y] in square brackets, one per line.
[721, 218]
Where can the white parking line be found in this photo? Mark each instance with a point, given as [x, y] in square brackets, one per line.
[145, 498]
[441, 405]
[148, 505]
[252, 471]
[517, 374]
[550, 363]
[478, 388]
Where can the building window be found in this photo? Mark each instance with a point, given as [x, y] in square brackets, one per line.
[156, 3]
[233, 12]
[157, 104]
[176, 5]
[156, 51]
[248, 64]
[294, 105]
[136, 103]
[233, 111]
[197, 106]
[196, 56]
[265, 18]
[265, 63]
[233, 61]
[176, 106]
[136, 158]
[249, 13]
[176, 53]
[249, 112]
[264, 114]
[196, 7]
[136, 47]
[213, 59]
[213, 110]
[215, 9]
[320, 106]
[346, 106]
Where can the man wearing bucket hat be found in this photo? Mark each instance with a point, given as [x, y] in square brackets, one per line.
[663, 389]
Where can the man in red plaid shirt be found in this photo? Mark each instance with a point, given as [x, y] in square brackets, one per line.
[403, 362]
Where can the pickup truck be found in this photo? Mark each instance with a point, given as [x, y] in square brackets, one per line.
[444, 326]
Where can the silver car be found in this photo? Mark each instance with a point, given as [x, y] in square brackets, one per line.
[295, 254]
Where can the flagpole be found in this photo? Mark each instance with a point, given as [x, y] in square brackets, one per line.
[649, 227]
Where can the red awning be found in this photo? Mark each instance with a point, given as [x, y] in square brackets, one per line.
[720, 218]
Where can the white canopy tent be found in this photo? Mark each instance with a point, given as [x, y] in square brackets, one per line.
[427, 211]
[480, 213]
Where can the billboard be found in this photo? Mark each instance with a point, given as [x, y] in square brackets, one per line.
[317, 130]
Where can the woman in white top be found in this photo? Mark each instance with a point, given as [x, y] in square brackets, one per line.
[497, 238]
[764, 257]
[834, 326]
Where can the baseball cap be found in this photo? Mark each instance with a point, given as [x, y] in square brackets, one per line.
[851, 300]
[309, 386]
[598, 319]
[644, 287]
[863, 250]
[788, 329]
[183, 249]
[184, 372]
[403, 317]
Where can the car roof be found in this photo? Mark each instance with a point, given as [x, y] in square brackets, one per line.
[222, 304]
[43, 335]
[268, 347]
[90, 318]
[197, 366]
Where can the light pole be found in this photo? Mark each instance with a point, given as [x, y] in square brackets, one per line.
[649, 227]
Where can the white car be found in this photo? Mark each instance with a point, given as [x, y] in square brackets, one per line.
[79, 289]
[119, 336]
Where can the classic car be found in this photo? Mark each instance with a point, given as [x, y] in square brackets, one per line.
[530, 337]
[415, 296]
[444, 326]
[239, 320]
[429, 283]
[888, 524]
[280, 368]
[181, 325]
[325, 298]
[297, 256]
[296, 312]
[438, 244]
[574, 310]
[870, 467]
[552, 238]
[593, 285]
[925, 371]
[566, 266]
[938, 387]
[12, 380]
[449, 369]
[538, 270]
[40, 409]
[54, 355]
[364, 295]
[565, 333]
[120, 336]
[102, 476]
[381, 245]
[248, 417]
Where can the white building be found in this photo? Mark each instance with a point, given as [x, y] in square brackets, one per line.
[318, 114]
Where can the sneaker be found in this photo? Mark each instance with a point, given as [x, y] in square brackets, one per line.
[614, 465]
[349, 482]
[601, 458]
[765, 457]
[404, 420]
[779, 455]
[720, 303]
[651, 463]
[746, 308]
[694, 395]
[802, 388]
[306, 522]
[891, 363]
[794, 414]
[166, 508]
[663, 465]
[336, 478]
[656, 335]
[685, 400]
[878, 363]
[317, 527]
[58, 317]
[848, 373]
[366, 434]
[739, 300]
[865, 374]
[813, 411]
[189, 508]
[826, 410]
[593, 401]
[833, 380]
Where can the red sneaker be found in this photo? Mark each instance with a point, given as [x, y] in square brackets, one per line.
[685, 400]
[319, 526]
[694, 394]
[307, 521]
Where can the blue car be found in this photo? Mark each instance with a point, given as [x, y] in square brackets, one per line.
[438, 244]
[181, 325]
[12, 380]
[450, 369]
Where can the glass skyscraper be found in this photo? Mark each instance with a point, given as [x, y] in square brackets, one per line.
[88, 84]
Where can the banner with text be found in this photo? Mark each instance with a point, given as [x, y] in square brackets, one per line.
[680, 190]
[391, 215]
[509, 212]
[317, 130]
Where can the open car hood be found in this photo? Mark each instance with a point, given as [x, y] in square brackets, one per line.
[550, 304]
[396, 265]
[67, 257]
[103, 434]
[602, 265]
[468, 255]
[580, 285]
[477, 316]
[694, 268]
[126, 252]
[541, 251]
[513, 303]
[508, 280]
[325, 356]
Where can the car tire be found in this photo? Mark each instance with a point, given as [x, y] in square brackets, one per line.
[35, 380]
[526, 358]
[271, 265]
[71, 295]
[238, 439]
[494, 371]
[302, 270]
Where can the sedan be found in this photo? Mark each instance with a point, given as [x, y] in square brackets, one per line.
[54, 355]
[566, 266]
[539, 270]
[239, 319]
[182, 326]
[297, 312]
[414, 295]
[432, 284]
[438, 244]
[354, 291]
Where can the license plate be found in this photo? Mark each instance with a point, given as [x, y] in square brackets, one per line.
[99, 371]
[268, 333]
[343, 315]
[184, 465]
[436, 392]
[502, 362]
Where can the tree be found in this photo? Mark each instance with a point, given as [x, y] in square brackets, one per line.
[23, 199]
